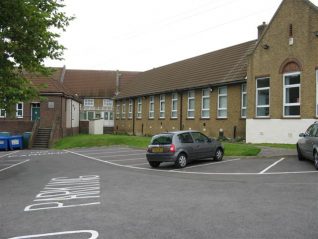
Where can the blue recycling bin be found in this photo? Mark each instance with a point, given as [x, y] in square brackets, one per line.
[15, 142]
[26, 139]
[4, 134]
[4, 143]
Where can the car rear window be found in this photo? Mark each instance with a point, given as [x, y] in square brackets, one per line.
[162, 139]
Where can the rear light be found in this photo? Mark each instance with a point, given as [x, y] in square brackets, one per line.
[149, 149]
[172, 148]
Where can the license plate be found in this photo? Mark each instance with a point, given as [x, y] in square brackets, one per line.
[157, 150]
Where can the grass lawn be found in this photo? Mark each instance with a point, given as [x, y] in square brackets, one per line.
[84, 140]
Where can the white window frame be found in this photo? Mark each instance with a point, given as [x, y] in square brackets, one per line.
[284, 94]
[190, 110]
[151, 113]
[162, 106]
[19, 112]
[89, 102]
[174, 102]
[244, 94]
[269, 97]
[139, 108]
[3, 113]
[118, 110]
[123, 109]
[205, 95]
[220, 109]
[130, 109]
[108, 103]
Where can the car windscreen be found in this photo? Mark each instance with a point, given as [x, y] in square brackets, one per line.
[162, 139]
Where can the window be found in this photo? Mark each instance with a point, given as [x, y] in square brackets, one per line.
[199, 138]
[262, 97]
[174, 105]
[151, 107]
[191, 104]
[106, 115]
[205, 111]
[90, 115]
[243, 101]
[108, 104]
[139, 107]
[222, 102]
[130, 109]
[89, 102]
[185, 138]
[2, 113]
[117, 110]
[111, 116]
[19, 110]
[292, 94]
[162, 103]
[123, 109]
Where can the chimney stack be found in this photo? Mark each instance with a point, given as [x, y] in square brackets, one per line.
[261, 29]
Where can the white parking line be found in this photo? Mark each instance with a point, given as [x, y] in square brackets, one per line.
[118, 155]
[205, 164]
[118, 160]
[269, 167]
[113, 152]
[15, 165]
[2, 156]
[139, 164]
[100, 150]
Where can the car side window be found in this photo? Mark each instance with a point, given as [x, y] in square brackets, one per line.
[311, 131]
[185, 138]
[199, 138]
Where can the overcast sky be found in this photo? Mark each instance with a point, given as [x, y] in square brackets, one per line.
[139, 35]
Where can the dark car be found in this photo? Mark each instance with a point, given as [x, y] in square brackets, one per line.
[182, 147]
[307, 145]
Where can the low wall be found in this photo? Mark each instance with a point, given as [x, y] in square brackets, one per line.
[16, 126]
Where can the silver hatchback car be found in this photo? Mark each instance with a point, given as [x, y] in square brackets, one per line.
[307, 145]
[182, 147]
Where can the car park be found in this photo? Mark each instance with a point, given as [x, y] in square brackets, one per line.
[182, 147]
[307, 145]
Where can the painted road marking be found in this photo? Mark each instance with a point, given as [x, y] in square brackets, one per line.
[205, 164]
[36, 154]
[119, 160]
[118, 155]
[111, 152]
[139, 164]
[14, 165]
[269, 167]
[185, 172]
[93, 234]
[66, 192]
[2, 156]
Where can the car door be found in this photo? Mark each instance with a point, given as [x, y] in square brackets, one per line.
[187, 145]
[202, 145]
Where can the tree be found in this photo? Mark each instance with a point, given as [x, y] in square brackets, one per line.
[28, 36]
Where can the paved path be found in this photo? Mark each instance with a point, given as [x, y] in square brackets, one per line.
[272, 152]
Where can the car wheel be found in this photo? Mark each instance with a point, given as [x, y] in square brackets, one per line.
[218, 156]
[181, 161]
[154, 164]
[300, 156]
[316, 160]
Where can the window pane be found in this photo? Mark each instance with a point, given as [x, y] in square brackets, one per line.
[222, 113]
[222, 90]
[206, 103]
[243, 112]
[222, 102]
[264, 111]
[292, 110]
[205, 113]
[191, 104]
[190, 114]
[262, 83]
[293, 79]
[90, 115]
[263, 97]
[292, 95]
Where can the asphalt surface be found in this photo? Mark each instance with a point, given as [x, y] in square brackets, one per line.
[113, 193]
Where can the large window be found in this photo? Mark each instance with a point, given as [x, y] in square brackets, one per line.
[123, 109]
[108, 104]
[243, 101]
[19, 110]
[130, 109]
[89, 102]
[162, 102]
[174, 105]
[205, 110]
[139, 107]
[151, 107]
[191, 104]
[262, 97]
[292, 94]
[118, 110]
[222, 102]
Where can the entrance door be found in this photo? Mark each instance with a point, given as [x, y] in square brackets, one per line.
[35, 111]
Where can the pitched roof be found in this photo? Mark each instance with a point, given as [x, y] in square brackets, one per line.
[93, 83]
[224, 66]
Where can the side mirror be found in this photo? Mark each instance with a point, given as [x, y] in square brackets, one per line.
[302, 135]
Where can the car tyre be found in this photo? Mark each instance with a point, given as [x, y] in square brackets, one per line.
[181, 161]
[300, 156]
[218, 156]
[316, 159]
[154, 164]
